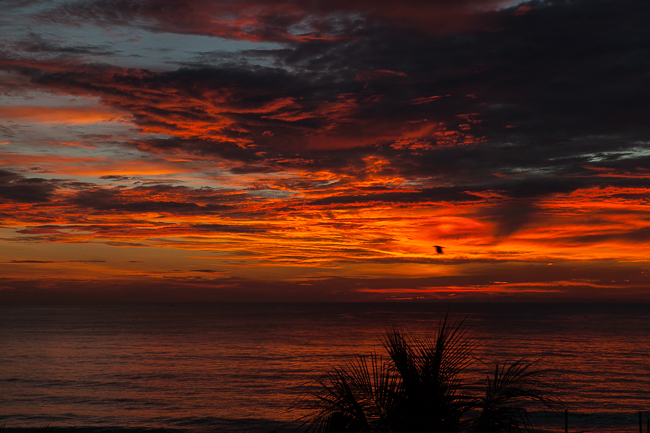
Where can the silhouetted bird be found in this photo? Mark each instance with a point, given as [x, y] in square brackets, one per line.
[438, 249]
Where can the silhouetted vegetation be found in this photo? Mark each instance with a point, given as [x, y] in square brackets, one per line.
[423, 385]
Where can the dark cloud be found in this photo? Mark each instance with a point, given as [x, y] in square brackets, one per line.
[148, 206]
[510, 217]
[543, 94]
[34, 43]
[145, 199]
[15, 187]
[116, 178]
[225, 228]
[448, 194]
[285, 21]
[200, 147]
[44, 229]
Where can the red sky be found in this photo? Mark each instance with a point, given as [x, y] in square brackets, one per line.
[272, 150]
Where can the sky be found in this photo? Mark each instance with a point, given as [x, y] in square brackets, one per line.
[284, 150]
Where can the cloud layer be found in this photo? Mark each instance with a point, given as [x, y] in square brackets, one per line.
[287, 142]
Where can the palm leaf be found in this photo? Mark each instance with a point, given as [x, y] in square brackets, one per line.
[356, 398]
[509, 394]
[431, 372]
[422, 387]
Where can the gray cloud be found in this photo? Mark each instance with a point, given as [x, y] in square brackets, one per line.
[15, 187]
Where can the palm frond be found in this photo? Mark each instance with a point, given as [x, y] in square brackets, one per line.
[356, 398]
[431, 373]
[509, 395]
[422, 387]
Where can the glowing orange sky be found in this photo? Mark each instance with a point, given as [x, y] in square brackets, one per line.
[273, 151]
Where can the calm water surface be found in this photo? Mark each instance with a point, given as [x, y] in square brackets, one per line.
[238, 367]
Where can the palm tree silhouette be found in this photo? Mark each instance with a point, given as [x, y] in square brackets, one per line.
[509, 393]
[422, 387]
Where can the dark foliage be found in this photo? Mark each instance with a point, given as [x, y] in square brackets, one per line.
[423, 387]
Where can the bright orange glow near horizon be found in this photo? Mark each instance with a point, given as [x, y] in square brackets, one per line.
[237, 159]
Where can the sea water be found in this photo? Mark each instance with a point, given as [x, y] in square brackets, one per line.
[240, 367]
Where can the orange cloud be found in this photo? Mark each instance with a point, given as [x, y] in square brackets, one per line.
[77, 115]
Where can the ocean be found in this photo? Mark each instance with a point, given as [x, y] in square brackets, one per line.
[240, 367]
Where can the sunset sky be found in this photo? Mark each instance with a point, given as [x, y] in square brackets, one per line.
[287, 150]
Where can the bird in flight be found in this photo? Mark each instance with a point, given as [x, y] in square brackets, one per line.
[438, 249]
